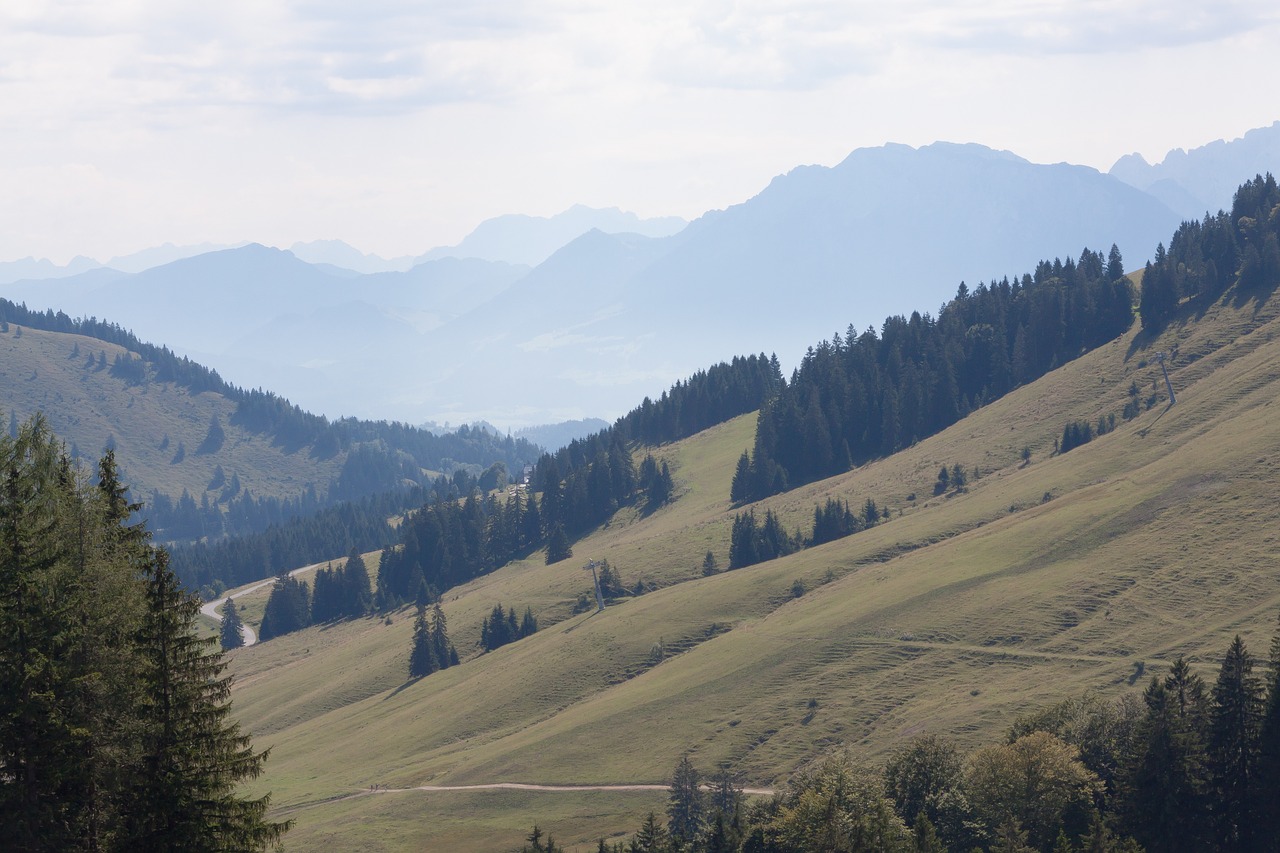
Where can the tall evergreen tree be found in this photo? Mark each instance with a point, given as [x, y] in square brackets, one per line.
[422, 658]
[686, 806]
[288, 608]
[114, 723]
[231, 632]
[1164, 797]
[358, 597]
[1268, 789]
[439, 635]
[558, 547]
[193, 754]
[1233, 748]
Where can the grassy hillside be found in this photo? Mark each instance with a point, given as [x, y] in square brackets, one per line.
[1042, 581]
[87, 406]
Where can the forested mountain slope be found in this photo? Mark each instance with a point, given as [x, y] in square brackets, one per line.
[1087, 570]
[208, 457]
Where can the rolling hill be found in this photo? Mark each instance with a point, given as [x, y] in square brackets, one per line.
[1071, 573]
[201, 453]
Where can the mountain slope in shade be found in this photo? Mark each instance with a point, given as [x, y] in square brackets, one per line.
[520, 239]
[1204, 179]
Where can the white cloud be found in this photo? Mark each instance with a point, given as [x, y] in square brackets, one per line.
[399, 124]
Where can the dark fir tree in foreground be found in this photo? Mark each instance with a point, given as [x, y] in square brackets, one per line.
[193, 753]
[115, 728]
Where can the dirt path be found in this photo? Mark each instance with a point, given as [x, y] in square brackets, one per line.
[552, 789]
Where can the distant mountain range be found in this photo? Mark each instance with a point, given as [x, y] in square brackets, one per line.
[519, 239]
[540, 320]
[1203, 179]
[513, 239]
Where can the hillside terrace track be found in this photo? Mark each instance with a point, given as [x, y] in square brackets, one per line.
[993, 650]
[506, 786]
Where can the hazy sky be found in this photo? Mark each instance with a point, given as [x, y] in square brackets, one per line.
[398, 125]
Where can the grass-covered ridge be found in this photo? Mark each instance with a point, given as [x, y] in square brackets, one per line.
[1039, 582]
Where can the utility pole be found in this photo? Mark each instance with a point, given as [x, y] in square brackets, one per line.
[595, 579]
[1172, 397]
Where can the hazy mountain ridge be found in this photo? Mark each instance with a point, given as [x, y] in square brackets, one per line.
[614, 318]
[522, 239]
[1203, 180]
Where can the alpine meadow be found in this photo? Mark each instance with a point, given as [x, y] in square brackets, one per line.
[880, 555]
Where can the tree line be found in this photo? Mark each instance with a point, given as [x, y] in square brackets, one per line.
[1205, 258]
[1189, 767]
[866, 395]
[339, 593]
[265, 413]
[581, 486]
[707, 398]
[115, 724]
[361, 525]
[447, 543]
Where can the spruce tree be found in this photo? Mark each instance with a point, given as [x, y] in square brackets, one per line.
[1268, 789]
[232, 631]
[439, 635]
[1164, 798]
[686, 807]
[193, 754]
[43, 723]
[422, 659]
[528, 624]
[651, 837]
[1233, 747]
[740, 489]
[558, 547]
[358, 598]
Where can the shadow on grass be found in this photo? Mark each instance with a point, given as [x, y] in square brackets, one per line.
[1142, 433]
[405, 686]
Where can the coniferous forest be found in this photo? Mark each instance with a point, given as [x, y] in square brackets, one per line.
[866, 395]
[115, 727]
[1240, 247]
[449, 542]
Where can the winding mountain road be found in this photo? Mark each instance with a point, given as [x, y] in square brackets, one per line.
[211, 608]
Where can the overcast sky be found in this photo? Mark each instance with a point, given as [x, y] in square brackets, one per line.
[398, 125]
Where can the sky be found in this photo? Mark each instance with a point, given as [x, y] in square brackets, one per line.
[399, 125]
